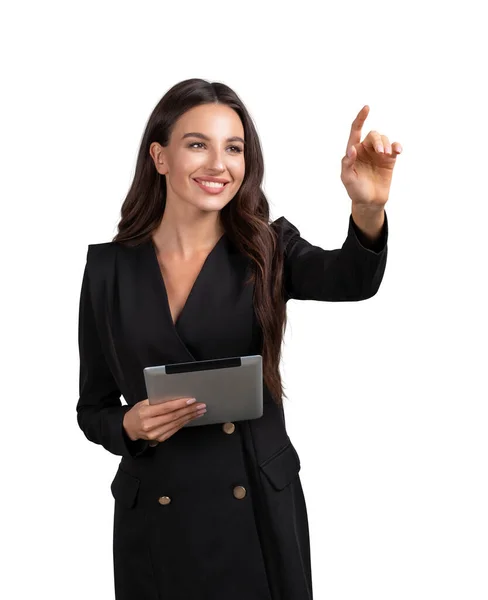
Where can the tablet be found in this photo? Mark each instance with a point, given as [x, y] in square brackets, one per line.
[232, 388]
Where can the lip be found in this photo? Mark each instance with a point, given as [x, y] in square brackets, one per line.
[214, 179]
[210, 190]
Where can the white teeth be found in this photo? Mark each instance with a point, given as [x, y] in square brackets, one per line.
[212, 183]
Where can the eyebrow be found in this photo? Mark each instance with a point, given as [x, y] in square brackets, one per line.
[202, 136]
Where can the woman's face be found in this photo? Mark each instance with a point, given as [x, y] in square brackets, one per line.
[188, 157]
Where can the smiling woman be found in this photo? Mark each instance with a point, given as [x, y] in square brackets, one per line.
[197, 272]
[170, 204]
[215, 165]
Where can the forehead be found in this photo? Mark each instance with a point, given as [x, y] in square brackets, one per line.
[211, 119]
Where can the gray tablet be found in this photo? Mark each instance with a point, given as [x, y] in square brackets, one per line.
[232, 388]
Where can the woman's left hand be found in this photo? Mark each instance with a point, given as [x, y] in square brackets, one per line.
[367, 174]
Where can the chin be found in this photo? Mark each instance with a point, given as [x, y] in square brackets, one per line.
[210, 204]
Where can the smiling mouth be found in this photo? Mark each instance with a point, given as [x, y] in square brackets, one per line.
[211, 184]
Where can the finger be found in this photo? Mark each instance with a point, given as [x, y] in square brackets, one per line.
[165, 432]
[162, 408]
[163, 436]
[348, 160]
[374, 140]
[177, 414]
[159, 432]
[356, 127]
[153, 423]
[391, 149]
[386, 144]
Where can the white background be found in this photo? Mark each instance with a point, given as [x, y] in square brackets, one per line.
[392, 435]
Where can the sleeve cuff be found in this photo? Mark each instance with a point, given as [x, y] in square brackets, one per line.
[133, 448]
[378, 245]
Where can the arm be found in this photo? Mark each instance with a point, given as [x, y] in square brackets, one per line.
[100, 412]
[353, 272]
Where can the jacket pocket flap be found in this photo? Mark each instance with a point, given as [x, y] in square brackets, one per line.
[124, 488]
[282, 468]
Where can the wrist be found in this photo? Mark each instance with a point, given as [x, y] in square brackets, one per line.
[128, 430]
[369, 220]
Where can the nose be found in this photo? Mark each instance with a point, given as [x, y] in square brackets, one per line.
[216, 160]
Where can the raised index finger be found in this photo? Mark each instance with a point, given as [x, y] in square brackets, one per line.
[356, 127]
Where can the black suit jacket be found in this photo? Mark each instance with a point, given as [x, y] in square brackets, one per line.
[215, 511]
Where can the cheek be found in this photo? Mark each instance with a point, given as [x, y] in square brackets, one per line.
[242, 172]
[238, 169]
[186, 164]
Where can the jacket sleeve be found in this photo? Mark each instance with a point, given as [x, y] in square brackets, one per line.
[353, 272]
[99, 410]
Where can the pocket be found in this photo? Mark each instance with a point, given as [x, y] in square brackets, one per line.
[125, 488]
[282, 468]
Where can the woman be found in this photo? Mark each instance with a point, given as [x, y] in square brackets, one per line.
[196, 272]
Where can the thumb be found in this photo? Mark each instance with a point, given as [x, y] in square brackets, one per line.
[351, 154]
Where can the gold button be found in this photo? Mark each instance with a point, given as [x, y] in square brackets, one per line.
[239, 492]
[229, 427]
[164, 500]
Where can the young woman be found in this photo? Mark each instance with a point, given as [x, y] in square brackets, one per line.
[195, 272]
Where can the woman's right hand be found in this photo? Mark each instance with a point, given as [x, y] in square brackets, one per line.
[158, 422]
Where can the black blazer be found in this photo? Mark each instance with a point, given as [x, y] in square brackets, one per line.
[215, 511]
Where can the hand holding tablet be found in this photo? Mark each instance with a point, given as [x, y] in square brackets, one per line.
[160, 421]
[231, 388]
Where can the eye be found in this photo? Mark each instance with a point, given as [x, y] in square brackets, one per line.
[237, 149]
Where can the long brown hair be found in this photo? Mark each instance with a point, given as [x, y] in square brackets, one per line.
[245, 217]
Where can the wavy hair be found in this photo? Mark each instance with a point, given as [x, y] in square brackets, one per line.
[245, 217]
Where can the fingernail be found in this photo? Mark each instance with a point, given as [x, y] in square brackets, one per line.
[191, 400]
[379, 148]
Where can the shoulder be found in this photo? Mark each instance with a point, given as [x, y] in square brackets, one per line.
[100, 259]
[101, 249]
[286, 231]
[105, 256]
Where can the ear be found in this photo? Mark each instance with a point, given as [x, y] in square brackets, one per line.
[157, 154]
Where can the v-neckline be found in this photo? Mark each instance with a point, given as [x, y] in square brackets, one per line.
[191, 293]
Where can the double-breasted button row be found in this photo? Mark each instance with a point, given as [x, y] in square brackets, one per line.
[239, 491]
